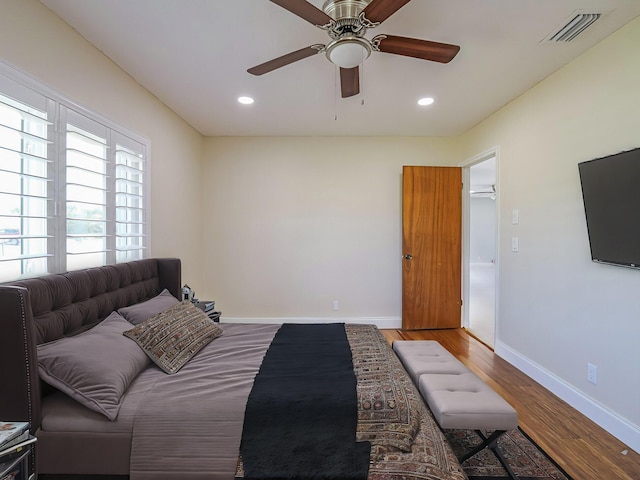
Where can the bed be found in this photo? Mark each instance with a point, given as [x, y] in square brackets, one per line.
[188, 423]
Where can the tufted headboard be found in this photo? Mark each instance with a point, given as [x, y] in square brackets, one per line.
[47, 308]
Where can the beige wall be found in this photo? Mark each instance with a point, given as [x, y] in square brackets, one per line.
[557, 309]
[296, 223]
[56, 55]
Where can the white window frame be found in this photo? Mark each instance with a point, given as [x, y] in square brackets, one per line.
[58, 108]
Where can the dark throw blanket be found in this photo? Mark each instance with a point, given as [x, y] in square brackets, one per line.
[301, 415]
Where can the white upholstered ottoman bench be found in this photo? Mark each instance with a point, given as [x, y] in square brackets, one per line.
[457, 397]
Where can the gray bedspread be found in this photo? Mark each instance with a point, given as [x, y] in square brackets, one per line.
[191, 422]
[185, 424]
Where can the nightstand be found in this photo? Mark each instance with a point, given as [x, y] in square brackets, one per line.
[208, 307]
[15, 460]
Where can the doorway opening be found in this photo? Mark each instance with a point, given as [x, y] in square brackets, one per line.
[480, 246]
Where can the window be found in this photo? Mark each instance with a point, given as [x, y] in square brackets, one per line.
[73, 186]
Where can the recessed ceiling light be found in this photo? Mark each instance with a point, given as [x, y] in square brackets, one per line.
[425, 101]
[245, 100]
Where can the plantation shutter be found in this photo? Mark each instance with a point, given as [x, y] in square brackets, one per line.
[130, 194]
[87, 180]
[26, 207]
[73, 185]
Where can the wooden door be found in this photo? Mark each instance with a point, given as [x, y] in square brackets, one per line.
[431, 247]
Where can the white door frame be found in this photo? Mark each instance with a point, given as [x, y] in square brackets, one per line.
[466, 232]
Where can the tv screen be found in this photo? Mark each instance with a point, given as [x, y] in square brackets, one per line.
[611, 195]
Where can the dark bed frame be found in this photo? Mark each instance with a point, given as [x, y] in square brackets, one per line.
[47, 308]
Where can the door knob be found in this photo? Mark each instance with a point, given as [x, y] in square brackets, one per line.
[408, 256]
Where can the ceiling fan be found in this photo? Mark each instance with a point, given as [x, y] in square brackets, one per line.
[346, 22]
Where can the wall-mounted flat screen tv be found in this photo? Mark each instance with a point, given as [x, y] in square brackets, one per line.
[611, 195]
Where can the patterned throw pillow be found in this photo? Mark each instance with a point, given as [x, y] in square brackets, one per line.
[171, 338]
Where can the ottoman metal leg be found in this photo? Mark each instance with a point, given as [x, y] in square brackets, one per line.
[490, 442]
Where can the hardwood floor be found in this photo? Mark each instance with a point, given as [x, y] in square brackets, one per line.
[583, 449]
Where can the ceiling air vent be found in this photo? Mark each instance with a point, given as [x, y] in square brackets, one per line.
[577, 23]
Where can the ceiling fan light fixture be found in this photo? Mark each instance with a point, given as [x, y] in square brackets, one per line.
[348, 52]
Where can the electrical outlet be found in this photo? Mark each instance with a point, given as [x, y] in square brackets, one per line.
[592, 373]
[335, 305]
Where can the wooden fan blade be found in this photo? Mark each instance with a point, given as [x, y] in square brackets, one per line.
[379, 10]
[350, 81]
[413, 47]
[305, 10]
[284, 60]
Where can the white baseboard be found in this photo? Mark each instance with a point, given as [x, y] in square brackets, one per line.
[380, 322]
[620, 428]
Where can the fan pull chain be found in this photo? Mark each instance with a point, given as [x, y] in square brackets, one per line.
[362, 83]
[335, 93]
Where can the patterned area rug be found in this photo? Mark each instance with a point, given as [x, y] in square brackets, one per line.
[527, 460]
